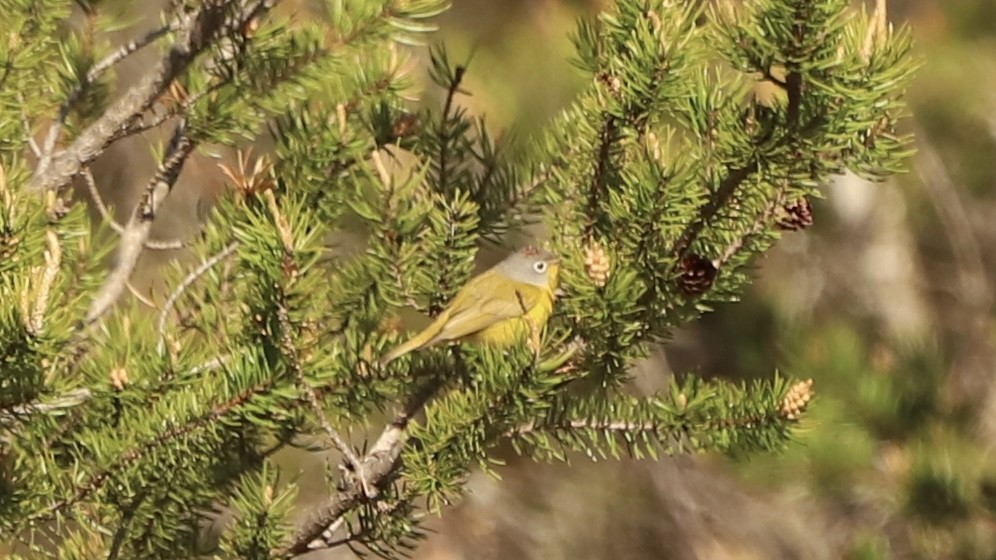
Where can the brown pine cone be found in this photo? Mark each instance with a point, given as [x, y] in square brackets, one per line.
[697, 274]
[405, 125]
[795, 215]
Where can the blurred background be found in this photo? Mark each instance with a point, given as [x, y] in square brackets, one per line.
[886, 302]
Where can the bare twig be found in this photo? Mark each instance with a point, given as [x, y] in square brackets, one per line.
[130, 48]
[184, 285]
[139, 227]
[98, 201]
[337, 440]
[105, 214]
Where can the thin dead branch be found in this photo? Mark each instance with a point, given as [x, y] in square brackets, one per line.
[136, 233]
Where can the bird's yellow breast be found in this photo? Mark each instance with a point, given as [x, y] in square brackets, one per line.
[511, 331]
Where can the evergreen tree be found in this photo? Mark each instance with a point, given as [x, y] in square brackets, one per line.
[659, 187]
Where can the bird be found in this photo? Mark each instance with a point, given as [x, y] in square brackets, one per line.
[497, 307]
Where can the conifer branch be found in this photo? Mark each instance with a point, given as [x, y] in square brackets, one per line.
[392, 239]
[92, 75]
[127, 514]
[599, 178]
[620, 426]
[793, 78]
[290, 353]
[760, 223]
[20, 412]
[793, 85]
[376, 467]
[97, 480]
[443, 133]
[197, 30]
[26, 125]
[734, 178]
[140, 225]
[618, 216]
[677, 425]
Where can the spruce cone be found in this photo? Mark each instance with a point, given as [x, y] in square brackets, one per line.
[405, 125]
[796, 400]
[697, 274]
[119, 378]
[597, 264]
[8, 243]
[795, 215]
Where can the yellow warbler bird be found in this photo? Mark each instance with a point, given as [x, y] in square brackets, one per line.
[497, 307]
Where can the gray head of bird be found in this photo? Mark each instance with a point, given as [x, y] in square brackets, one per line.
[530, 265]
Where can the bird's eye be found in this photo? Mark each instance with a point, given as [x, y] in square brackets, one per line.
[539, 266]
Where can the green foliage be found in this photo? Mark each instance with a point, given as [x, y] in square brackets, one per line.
[883, 441]
[259, 513]
[29, 58]
[694, 416]
[666, 164]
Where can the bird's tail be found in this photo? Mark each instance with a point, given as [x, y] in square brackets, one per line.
[399, 351]
[423, 338]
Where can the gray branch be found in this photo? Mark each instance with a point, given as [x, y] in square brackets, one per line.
[196, 31]
[136, 233]
[45, 156]
[376, 467]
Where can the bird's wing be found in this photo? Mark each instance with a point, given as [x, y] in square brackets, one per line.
[476, 311]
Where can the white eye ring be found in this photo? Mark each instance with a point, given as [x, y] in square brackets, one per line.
[539, 266]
